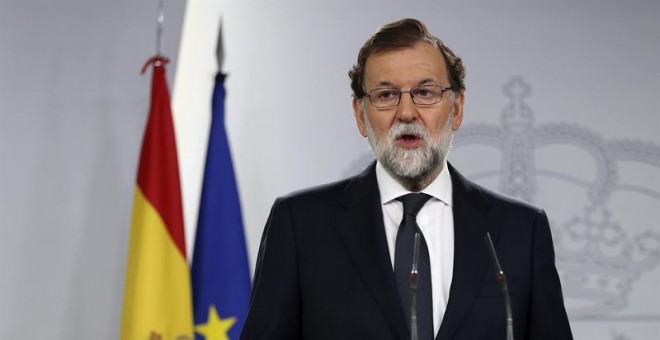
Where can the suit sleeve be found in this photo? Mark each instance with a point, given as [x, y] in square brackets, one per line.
[547, 314]
[275, 300]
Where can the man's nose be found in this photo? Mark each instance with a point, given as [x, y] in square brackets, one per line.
[407, 110]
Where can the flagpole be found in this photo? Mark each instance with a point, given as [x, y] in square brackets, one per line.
[159, 28]
[220, 49]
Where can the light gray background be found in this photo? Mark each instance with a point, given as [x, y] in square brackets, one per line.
[72, 110]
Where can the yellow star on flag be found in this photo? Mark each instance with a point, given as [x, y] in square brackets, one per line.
[215, 328]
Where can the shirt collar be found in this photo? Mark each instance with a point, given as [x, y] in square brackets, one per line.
[390, 189]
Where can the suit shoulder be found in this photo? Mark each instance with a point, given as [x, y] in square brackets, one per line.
[317, 194]
[504, 201]
[328, 197]
[480, 196]
[509, 200]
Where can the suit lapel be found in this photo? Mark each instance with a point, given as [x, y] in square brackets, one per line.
[471, 260]
[362, 233]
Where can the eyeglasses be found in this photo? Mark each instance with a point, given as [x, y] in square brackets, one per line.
[425, 95]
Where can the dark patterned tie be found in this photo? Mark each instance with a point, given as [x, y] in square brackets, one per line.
[403, 258]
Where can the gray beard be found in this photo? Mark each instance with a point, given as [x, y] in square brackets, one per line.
[411, 167]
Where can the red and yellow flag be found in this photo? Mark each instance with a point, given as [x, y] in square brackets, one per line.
[157, 296]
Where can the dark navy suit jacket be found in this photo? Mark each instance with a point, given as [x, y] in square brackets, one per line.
[324, 270]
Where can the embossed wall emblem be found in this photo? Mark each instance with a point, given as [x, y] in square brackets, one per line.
[599, 256]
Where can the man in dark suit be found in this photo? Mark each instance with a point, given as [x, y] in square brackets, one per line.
[355, 260]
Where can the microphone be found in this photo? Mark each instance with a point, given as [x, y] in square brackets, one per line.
[413, 288]
[501, 280]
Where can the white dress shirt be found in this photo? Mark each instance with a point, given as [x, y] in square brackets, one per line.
[435, 219]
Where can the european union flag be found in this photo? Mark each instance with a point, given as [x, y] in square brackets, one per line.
[220, 275]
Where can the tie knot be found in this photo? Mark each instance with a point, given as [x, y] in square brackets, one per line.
[413, 203]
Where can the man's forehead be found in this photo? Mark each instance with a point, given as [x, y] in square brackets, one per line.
[423, 61]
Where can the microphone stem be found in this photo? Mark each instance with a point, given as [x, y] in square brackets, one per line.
[500, 277]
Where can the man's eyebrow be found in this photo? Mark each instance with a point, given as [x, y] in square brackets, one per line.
[427, 81]
[384, 84]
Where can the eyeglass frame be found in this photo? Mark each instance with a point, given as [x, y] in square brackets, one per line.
[412, 96]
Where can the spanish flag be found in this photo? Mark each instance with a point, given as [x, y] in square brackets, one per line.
[157, 296]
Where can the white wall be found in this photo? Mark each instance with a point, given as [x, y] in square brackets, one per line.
[72, 109]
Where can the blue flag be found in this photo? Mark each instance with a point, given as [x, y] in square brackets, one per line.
[220, 274]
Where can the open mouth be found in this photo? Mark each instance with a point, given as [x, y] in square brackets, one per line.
[409, 140]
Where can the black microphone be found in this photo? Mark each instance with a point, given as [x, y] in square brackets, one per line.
[413, 287]
[501, 280]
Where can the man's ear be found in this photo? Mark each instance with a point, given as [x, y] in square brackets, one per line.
[458, 110]
[359, 117]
